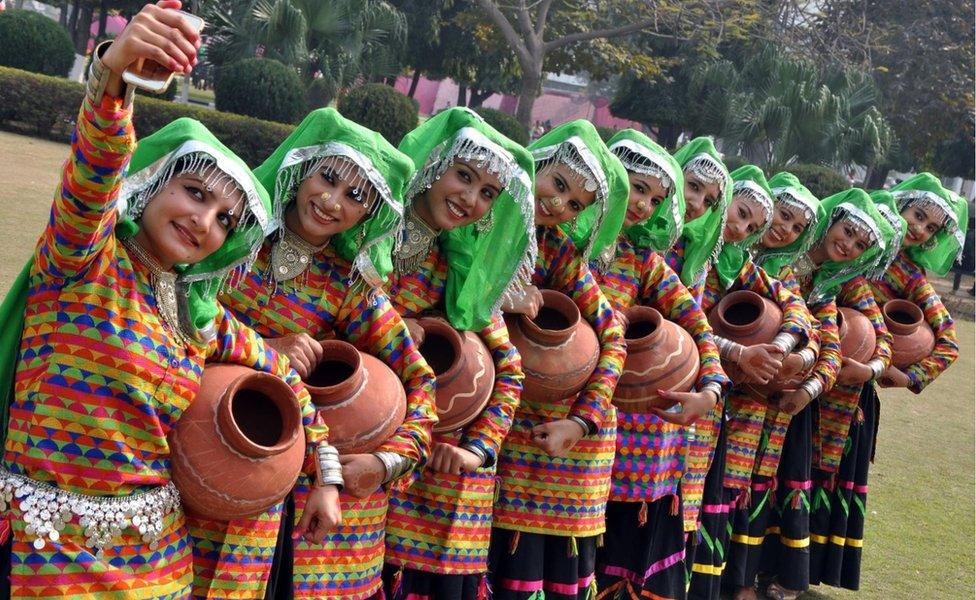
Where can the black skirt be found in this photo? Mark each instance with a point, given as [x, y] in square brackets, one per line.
[521, 565]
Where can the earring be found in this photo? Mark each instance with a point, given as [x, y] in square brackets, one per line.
[361, 236]
[484, 224]
[576, 224]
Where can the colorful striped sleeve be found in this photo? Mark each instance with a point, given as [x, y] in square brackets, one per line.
[490, 428]
[370, 322]
[796, 317]
[946, 350]
[857, 294]
[84, 212]
[662, 288]
[239, 344]
[569, 274]
[828, 358]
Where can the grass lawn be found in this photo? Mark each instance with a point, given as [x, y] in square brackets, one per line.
[920, 530]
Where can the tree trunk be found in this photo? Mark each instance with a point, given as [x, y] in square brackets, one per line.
[462, 97]
[63, 17]
[478, 97]
[667, 136]
[413, 83]
[102, 17]
[73, 22]
[83, 29]
[527, 94]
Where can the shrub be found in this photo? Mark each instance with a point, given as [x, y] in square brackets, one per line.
[733, 162]
[35, 43]
[506, 124]
[262, 88]
[820, 180]
[321, 92]
[47, 107]
[382, 109]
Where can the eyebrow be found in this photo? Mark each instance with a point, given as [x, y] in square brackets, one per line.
[465, 164]
[747, 205]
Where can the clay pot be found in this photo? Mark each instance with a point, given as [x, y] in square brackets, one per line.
[238, 448]
[747, 318]
[559, 349]
[358, 396]
[913, 338]
[465, 372]
[660, 355]
[857, 337]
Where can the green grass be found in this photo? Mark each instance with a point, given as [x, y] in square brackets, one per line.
[920, 528]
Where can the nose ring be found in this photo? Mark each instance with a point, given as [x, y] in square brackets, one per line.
[325, 196]
[641, 205]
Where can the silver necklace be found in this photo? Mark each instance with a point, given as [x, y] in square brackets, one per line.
[291, 255]
[417, 240]
[163, 284]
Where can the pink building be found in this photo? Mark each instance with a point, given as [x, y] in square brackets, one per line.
[556, 106]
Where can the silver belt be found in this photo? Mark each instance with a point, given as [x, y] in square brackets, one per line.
[46, 509]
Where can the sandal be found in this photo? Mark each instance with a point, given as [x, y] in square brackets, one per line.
[777, 592]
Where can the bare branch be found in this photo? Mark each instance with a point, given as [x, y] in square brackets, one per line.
[541, 16]
[525, 24]
[611, 32]
[511, 36]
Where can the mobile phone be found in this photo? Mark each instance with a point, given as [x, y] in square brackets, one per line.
[149, 74]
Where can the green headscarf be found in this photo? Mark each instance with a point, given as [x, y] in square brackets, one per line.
[855, 205]
[483, 262]
[578, 146]
[749, 182]
[184, 145]
[703, 236]
[788, 190]
[945, 247]
[640, 154]
[323, 138]
[885, 203]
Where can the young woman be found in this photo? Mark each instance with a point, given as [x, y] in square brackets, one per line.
[748, 216]
[337, 198]
[796, 215]
[851, 240]
[643, 547]
[119, 317]
[554, 467]
[465, 240]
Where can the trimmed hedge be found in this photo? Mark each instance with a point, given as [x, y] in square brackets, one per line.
[820, 180]
[261, 88]
[506, 124]
[33, 42]
[382, 109]
[47, 107]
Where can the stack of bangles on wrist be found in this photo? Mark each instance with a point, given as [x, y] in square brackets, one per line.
[785, 342]
[728, 349]
[809, 358]
[813, 387]
[877, 368]
[328, 471]
[396, 466]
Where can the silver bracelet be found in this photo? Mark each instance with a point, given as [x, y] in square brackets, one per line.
[785, 342]
[813, 387]
[328, 471]
[587, 429]
[477, 452]
[809, 358]
[98, 76]
[728, 348]
[396, 466]
[713, 387]
[877, 367]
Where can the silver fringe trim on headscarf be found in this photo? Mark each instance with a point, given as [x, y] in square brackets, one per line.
[639, 159]
[861, 222]
[786, 196]
[754, 193]
[894, 245]
[907, 198]
[708, 170]
[573, 153]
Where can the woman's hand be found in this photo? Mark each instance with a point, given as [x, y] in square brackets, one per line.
[894, 378]
[445, 458]
[853, 372]
[794, 401]
[694, 405]
[362, 474]
[301, 349]
[760, 362]
[557, 438]
[158, 33]
[527, 303]
[321, 515]
[792, 366]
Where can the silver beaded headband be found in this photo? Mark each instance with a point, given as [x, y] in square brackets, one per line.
[639, 159]
[753, 192]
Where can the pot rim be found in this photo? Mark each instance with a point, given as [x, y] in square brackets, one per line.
[281, 396]
[741, 297]
[340, 351]
[901, 305]
[562, 304]
[643, 314]
[453, 337]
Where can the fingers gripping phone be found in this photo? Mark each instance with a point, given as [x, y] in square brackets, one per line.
[149, 74]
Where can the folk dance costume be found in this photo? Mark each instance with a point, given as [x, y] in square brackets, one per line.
[643, 546]
[333, 291]
[112, 352]
[550, 511]
[779, 507]
[690, 257]
[439, 528]
[728, 486]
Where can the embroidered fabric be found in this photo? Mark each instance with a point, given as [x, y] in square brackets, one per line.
[165, 290]
[415, 243]
[291, 255]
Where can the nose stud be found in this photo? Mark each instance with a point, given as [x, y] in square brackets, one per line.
[325, 196]
[641, 205]
[556, 201]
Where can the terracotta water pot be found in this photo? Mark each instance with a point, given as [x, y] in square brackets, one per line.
[238, 448]
[913, 338]
[465, 372]
[661, 355]
[857, 337]
[358, 396]
[747, 318]
[559, 349]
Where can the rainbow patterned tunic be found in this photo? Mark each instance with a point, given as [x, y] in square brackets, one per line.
[322, 303]
[101, 381]
[442, 523]
[565, 496]
[650, 456]
[904, 279]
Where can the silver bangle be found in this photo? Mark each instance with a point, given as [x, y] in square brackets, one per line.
[587, 429]
[785, 342]
[98, 76]
[813, 387]
[477, 452]
[328, 470]
[809, 358]
[396, 466]
[728, 348]
[713, 387]
[877, 367]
